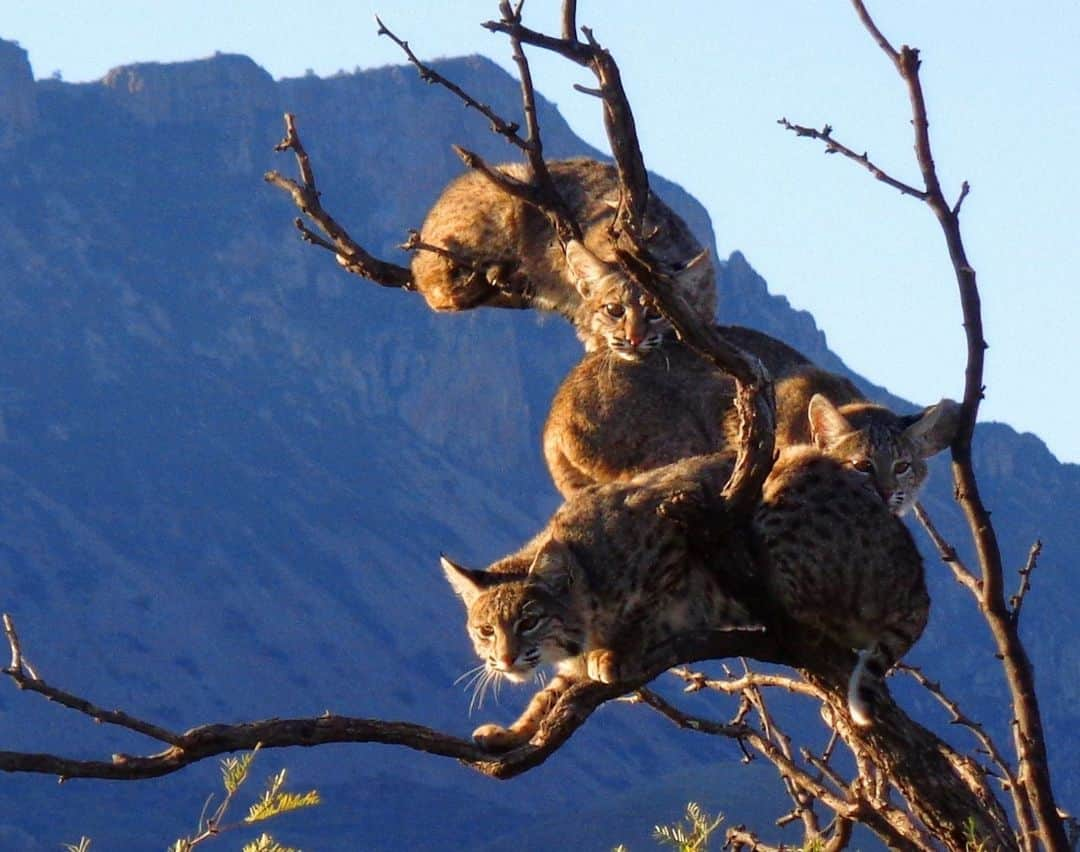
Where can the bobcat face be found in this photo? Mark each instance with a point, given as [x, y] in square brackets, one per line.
[627, 322]
[517, 622]
[615, 312]
[887, 450]
[886, 462]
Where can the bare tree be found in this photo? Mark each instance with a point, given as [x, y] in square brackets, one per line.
[910, 787]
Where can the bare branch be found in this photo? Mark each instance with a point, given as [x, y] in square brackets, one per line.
[1021, 802]
[834, 147]
[499, 125]
[31, 682]
[618, 117]
[948, 554]
[1029, 739]
[965, 188]
[569, 713]
[732, 686]
[1016, 602]
[305, 196]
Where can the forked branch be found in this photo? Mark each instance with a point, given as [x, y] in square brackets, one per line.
[305, 195]
[1029, 740]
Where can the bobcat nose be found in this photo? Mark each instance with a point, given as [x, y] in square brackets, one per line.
[506, 661]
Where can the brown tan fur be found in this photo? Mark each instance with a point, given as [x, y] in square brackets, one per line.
[888, 450]
[610, 578]
[607, 580]
[512, 258]
[639, 399]
[612, 419]
[837, 561]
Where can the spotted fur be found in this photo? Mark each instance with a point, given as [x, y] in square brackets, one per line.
[607, 580]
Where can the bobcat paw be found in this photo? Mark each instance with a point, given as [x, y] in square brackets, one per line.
[497, 738]
[603, 666]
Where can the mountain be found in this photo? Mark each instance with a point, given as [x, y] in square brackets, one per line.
[227, 468]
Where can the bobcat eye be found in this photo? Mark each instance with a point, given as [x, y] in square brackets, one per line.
[528, 624]
[862, 465]
[486, 631]
[901, 467]
[614, 310]
[652, 314]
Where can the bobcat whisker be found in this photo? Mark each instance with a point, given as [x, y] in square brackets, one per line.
[475, 671]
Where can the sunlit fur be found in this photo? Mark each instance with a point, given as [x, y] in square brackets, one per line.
[505, 254]
[889, 450]
[615, 312]
[608, 579]
[612, 418]
[886, 450]
[837, 561]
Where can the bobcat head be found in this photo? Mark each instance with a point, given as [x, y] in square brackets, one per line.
[520, 619]
[889, 450]
[615, 312]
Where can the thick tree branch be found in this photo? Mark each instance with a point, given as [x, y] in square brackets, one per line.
[572, 710]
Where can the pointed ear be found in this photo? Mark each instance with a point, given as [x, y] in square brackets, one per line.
[553, 567]
[698, 270]
[467, 583]
[585, 267]
[827, 424]
[935, 428]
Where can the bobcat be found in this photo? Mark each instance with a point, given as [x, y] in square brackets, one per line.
[612, 419]
[504, 252]
[639, 398]
[837, 561]
[611, 577]
[605, 581]
[887, 449]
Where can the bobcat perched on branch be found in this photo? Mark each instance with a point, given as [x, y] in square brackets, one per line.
[605, 581]
[501, 251]
[837, 561]
[611, 577]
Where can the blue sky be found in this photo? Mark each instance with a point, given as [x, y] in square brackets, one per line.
[707, 82]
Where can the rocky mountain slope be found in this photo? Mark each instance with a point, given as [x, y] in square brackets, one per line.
[227, 469]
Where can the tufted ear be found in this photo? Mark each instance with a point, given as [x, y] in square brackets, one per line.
[553, 567]
[585, 267]
[934, 429]
[827, 424]
[466, 582]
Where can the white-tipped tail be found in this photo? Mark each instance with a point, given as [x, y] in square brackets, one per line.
[859, 690]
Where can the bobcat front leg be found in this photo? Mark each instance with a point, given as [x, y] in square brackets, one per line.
[604, 665]
[497, 738]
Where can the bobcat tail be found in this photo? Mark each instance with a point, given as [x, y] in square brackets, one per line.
[869, 672]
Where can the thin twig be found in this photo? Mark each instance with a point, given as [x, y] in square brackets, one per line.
[507, 129]
[834, 147]
[1016, 602]
[948, 554]
[24, 678]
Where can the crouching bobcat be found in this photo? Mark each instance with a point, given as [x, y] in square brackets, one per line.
[611, 577]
